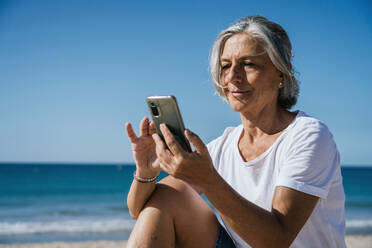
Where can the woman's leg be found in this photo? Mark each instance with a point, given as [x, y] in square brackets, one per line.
[174, 216]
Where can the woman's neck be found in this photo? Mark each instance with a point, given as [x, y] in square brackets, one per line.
[267, 122]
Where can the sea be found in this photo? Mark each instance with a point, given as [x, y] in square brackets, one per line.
[81, 202]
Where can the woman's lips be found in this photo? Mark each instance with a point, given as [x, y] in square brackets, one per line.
[239, 93]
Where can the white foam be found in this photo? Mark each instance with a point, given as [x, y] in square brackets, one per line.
[359, 223]
[110, 225]
[9, 228]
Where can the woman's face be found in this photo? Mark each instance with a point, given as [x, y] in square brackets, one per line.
[251, 80]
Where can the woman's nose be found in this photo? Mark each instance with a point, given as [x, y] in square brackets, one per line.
[234, 74]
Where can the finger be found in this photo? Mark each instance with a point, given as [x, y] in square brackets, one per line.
[164, 155]
[130, 132]
[152, 128]
[159, 144]
[144, 127]
[165, 167]
[156, 164]
[158, 141]
[200, 147]
[172, 143]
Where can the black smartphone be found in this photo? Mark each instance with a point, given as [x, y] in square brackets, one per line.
[164, 109]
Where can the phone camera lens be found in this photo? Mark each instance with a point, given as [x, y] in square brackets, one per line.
[154, 109]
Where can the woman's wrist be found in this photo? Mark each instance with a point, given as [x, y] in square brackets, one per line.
[209, 181]
[145, 176]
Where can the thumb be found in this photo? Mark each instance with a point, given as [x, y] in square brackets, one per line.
[196, 142]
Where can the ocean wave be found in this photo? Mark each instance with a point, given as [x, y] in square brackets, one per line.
[112, 225]
[359, 226]
[359, 223]
[14, 228]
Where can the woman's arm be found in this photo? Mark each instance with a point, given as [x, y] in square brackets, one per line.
[257, 226]
[147, 166]
[139, 193]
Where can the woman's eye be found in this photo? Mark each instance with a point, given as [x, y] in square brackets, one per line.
[249, 64]
[224, 67]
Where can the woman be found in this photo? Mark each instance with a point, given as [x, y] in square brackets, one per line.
[275, 180]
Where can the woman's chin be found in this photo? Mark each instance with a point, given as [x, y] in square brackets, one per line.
[237, 106]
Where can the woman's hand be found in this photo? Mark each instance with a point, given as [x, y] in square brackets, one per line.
[195, 168]
[143, 148]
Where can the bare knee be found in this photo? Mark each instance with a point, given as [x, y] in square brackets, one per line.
[193, 220]
[169, 193]
[154, 228]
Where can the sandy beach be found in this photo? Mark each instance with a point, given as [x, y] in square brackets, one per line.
[359, 241]
[87, 244]
[352, 241]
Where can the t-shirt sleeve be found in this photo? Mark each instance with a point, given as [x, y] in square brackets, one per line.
[310, 162]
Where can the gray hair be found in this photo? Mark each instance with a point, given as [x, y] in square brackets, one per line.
[276, 44]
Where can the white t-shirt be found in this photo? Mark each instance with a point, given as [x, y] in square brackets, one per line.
[304, 157]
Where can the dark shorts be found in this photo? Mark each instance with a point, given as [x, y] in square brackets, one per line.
[223, 239]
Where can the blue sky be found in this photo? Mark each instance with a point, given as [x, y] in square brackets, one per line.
[73, 72]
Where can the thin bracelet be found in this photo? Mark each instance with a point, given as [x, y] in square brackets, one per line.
[144, 180]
